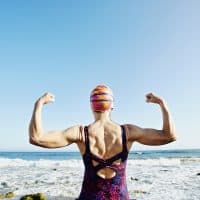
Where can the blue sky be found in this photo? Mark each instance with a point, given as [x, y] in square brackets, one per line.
[68, 47]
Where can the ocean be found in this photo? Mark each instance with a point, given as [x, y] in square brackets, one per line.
[151, 175]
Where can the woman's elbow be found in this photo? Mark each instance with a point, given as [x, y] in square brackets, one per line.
[33, 141]
[172, 138]
[169, 137]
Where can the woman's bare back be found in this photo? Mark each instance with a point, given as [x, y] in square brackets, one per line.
[105, 141]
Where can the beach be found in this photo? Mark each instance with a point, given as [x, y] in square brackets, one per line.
[150, 174]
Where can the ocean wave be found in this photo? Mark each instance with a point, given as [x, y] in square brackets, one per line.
[74, 163]
[155, 162]
[190, 159]
[161, 178]
[6, 162]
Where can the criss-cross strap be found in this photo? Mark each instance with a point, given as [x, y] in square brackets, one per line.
[105, 165]
[109, 160]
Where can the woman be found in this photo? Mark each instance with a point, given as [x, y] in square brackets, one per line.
[104, 144]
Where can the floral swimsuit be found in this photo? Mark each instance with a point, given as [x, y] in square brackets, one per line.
[95, 187]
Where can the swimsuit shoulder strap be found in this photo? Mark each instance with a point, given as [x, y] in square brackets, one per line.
[87, 145]
[124, 142]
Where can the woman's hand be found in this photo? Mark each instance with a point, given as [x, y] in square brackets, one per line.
[46, 98]
[152, 98]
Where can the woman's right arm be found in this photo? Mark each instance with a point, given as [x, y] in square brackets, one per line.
[50, 139]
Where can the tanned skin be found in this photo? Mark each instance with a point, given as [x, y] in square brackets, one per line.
[104, 134]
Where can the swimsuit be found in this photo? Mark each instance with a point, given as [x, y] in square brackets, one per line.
[95, 187]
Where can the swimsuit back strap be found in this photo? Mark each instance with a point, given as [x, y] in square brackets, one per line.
[104, 165]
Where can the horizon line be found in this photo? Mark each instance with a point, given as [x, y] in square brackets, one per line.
[68, 151]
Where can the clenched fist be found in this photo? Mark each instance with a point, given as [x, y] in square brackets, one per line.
[46, 98]
[152, 98]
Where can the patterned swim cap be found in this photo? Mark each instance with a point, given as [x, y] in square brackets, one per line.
[101, 98]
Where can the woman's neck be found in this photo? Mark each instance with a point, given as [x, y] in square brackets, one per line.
[102, 116]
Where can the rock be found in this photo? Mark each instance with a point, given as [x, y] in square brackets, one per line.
[140, 192]
[4, 184]
[198, 174]
[38, 196]
[26, 198]
[7, 195]
[164, 170]
[134, 179]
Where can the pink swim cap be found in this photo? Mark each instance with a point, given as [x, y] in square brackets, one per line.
[101, 98]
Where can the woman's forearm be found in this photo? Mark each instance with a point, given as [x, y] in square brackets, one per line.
[35, 128]
[168, 125]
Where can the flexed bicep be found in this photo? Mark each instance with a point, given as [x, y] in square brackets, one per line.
[150, 136]
[51, 139]
[56, 139]
[147, 136]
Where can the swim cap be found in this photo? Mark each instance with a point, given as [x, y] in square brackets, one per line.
[101, 98]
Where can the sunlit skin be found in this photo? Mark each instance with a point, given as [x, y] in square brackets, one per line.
[104, 134]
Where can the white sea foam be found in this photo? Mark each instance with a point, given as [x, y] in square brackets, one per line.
[155, 162]
[6, 162]
[163, 178]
